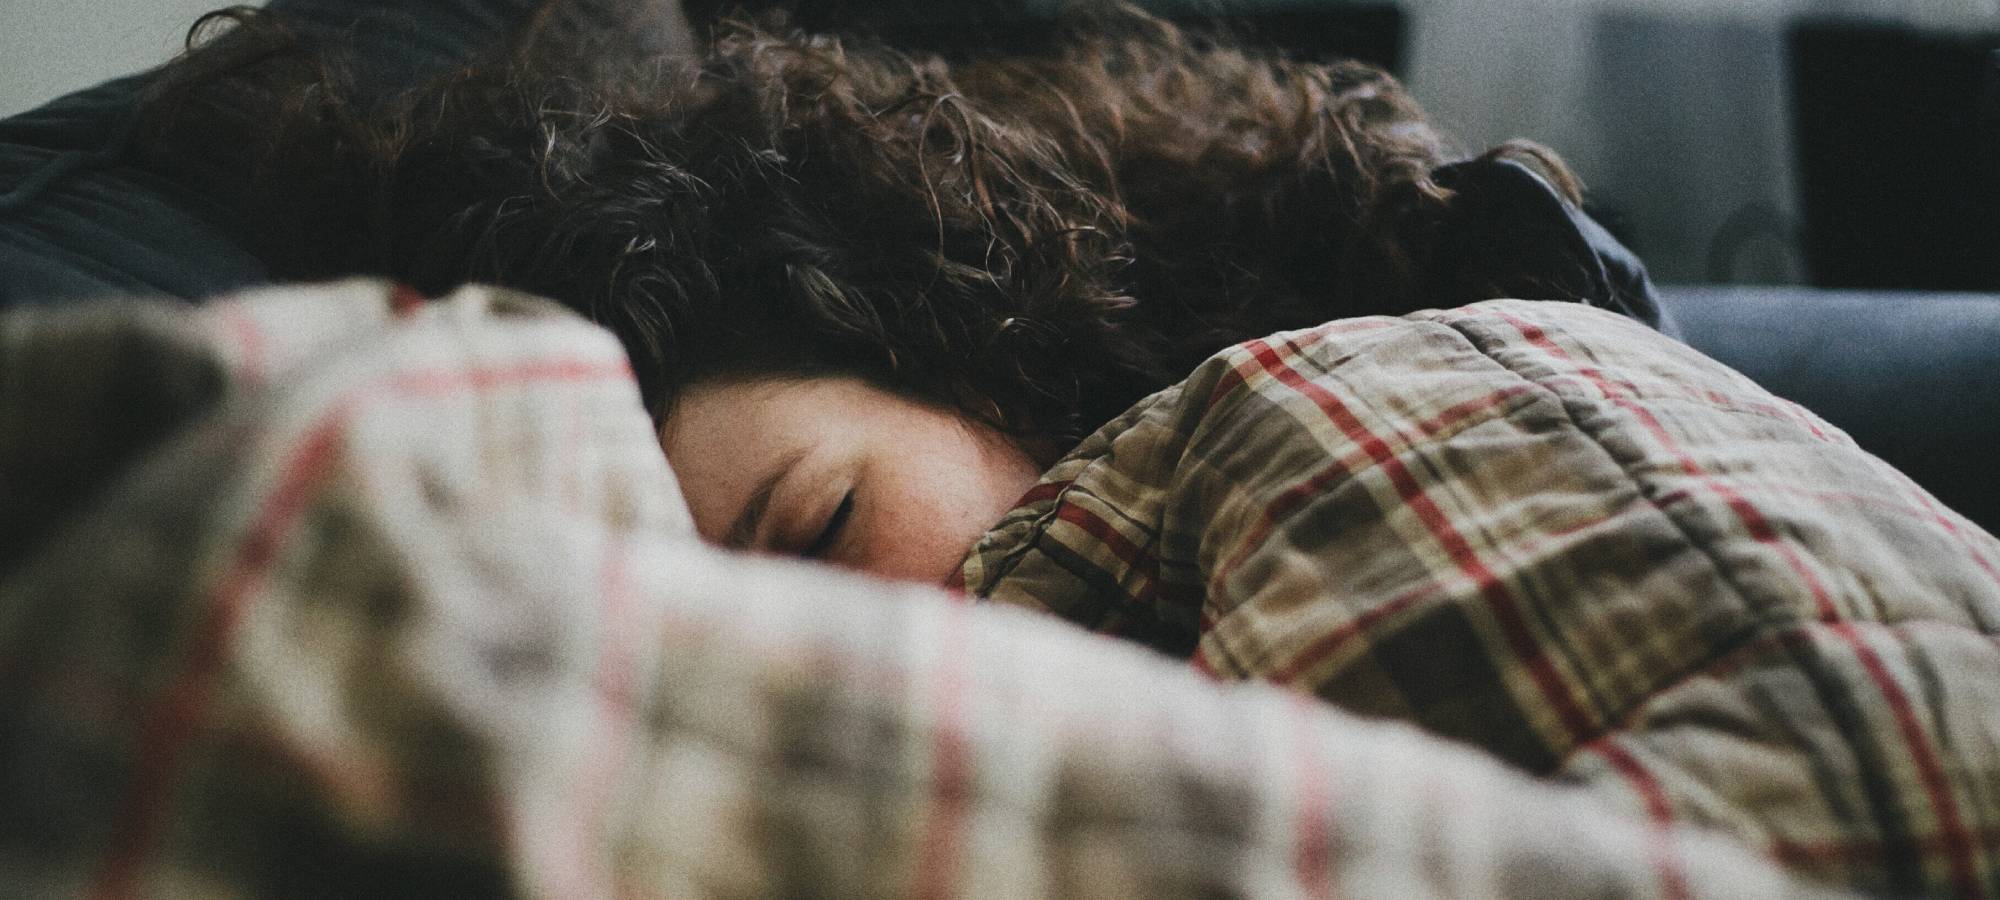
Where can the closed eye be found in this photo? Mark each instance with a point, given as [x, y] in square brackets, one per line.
[831, 532]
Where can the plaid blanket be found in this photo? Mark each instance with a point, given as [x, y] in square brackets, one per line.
[1550, 533]
[329, 592]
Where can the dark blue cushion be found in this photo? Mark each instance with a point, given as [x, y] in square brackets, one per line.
[1913, 377]
[78, 221]
[81, 216]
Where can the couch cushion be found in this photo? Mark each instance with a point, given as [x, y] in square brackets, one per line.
[1913, 377]
[82, 215]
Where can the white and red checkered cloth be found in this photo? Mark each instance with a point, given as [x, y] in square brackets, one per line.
[318, 593]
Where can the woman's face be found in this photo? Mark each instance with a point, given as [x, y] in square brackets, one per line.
[835, 469]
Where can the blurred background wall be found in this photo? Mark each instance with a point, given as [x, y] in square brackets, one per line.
[1682, 116]
[52, 47]
[1677, 113]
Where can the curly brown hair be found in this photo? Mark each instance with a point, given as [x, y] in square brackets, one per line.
[1036, 240]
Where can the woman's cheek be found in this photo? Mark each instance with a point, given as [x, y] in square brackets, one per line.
[905, 540]
[917, 529]
[923, 505]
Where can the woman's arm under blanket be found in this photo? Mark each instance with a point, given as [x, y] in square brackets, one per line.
[1545, 531]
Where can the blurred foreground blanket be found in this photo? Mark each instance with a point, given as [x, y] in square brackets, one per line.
[319, 592]
[1553, 534]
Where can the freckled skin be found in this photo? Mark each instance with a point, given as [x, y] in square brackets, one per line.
[925, 482]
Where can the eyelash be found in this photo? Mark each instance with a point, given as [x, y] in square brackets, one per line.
[831, 532]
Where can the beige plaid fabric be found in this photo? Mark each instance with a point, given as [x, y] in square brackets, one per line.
[319, 593]
[1551, 533]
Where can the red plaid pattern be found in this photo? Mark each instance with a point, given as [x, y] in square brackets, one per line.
[1551, 533]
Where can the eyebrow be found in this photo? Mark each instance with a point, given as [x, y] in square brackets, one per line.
[745, 530]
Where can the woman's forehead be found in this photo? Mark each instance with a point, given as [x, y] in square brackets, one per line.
[725, 438]
[766, 404]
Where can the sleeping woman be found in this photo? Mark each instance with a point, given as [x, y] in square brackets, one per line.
[852, 278]
[1181, 343]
